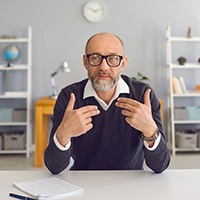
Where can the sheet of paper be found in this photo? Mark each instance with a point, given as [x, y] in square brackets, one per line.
[51, 188]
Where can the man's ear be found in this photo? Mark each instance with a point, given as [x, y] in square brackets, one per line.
[124, 62]
[85, 61]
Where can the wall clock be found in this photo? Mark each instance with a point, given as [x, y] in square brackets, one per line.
[94, 11]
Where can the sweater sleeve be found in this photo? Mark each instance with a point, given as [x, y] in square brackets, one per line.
[158, 159]
[55, 159]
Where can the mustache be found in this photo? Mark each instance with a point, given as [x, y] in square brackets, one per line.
[100, 72]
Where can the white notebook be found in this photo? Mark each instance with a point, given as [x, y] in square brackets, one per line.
[48, 188]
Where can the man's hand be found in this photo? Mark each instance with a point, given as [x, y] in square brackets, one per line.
[75, 122]
[138, 115]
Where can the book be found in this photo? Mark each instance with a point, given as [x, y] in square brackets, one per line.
[176, 85]
[48, 188]
[182, 84]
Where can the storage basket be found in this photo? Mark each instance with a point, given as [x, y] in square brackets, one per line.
[14, 141]
[186, 139]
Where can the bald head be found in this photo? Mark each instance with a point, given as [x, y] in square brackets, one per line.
[105, 39]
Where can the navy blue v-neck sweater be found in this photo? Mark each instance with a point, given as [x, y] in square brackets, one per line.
[112, 144]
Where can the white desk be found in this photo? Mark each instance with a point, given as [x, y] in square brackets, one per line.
[119, 185]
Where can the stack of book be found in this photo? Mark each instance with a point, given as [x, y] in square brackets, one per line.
[179, 85]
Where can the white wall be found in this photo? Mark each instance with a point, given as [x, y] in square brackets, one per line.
[60, 32]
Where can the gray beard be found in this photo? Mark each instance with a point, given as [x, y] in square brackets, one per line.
[103, 85]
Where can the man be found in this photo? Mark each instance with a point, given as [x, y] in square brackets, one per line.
[108, 121]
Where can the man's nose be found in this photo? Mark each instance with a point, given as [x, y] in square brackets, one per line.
[104, 65]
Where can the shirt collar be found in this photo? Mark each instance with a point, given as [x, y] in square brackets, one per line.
[89, 91]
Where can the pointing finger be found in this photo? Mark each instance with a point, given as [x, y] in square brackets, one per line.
[71, 102]
[147, 98]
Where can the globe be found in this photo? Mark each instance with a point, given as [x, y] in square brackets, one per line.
[11, 54]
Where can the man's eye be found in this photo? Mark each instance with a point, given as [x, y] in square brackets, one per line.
[113, 58]
[95, 58]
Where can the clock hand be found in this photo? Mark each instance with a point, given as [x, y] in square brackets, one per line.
[98, 9]
[95, 10]
[92, 9]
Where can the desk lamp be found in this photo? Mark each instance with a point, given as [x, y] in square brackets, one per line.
[62, 68]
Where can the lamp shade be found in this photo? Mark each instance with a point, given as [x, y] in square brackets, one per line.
[62, 68]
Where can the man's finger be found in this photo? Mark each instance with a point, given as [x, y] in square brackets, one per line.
[71, 102]
[147, 98]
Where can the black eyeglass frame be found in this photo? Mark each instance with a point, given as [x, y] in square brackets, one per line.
[104, 57]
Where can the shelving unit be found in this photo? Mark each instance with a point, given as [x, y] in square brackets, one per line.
[15, 90]
[188, 71]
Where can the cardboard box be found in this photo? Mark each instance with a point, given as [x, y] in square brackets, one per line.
[193, 112]
[181, 113]
[6, 114]
[19, 115]
[1, 142]
[198, 138]
[14, 140]
[186, 139]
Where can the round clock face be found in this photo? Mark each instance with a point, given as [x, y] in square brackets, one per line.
[94, 11]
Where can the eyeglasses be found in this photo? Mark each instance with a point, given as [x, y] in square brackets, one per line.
[111, 60]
